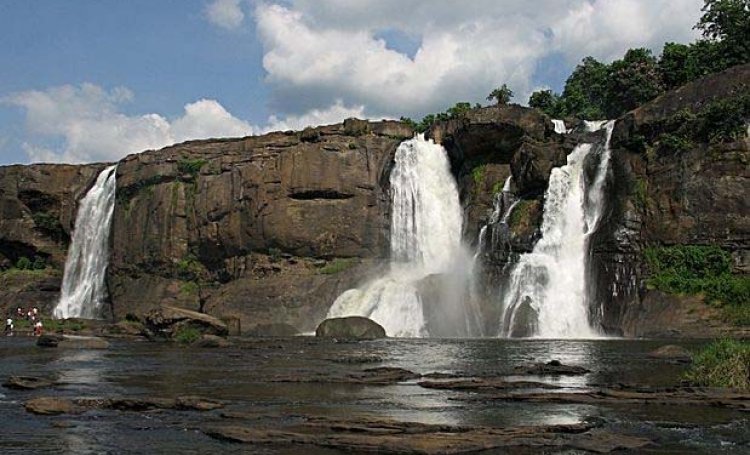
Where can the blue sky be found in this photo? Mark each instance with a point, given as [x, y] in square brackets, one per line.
[93, 80]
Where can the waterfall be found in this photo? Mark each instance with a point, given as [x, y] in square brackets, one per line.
[83, 281]
[426, 223]
[560, 126]
[547, 295]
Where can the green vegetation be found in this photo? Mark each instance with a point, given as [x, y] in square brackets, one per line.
[498, 187]
[274, 254]
[186, 335]
[190, 288]
[49, 225]
[338, 265]
[189, 268]
[191, 167]
[477, 174]
[596, 90]
[25, 263]
[458, 110]
[521, 212]
[640, 192]
[63, 325]
[723, 363]
[707, 270]
[501, 95]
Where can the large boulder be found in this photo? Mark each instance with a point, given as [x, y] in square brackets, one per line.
[168, 321]
[350, 327]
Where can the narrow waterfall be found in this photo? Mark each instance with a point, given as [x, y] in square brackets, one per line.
[83, 281]
[497, 226]
[560, 127]
[547, 294]
[426, 223]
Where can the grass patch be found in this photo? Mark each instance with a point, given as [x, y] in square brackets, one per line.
[707, 270]
[478, 174]
[192, 167]
[521, 212]
[186, 335]
[723, 363]
[336, 266]
[189, 288]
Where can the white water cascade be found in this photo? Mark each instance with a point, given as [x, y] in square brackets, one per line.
[560, 127]
[547, 295]
[426, 223]
[83, 281]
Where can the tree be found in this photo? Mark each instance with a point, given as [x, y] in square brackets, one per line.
[458, 110]
[546, 101]
[501, 95]
[727, 23]
[585, 90]
[632, 81]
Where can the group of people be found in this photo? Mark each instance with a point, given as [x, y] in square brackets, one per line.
[31, 314]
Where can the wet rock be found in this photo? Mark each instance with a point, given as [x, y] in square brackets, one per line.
[551, 368]
[389, 436]
[484, 384]
[383, 375]
[167, 321]
[48, 341]
[124, 329]
[211, 341]
[49, 406]
[27, 382]
[351, 327]
[55, 406]
[672, 352]
[272, 330]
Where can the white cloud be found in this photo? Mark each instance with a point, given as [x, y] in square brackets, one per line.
[318, 51]
[88, 123]
[226, 14]
[92, 128]
[333, 114]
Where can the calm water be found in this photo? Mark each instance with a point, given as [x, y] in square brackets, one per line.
[246, 377]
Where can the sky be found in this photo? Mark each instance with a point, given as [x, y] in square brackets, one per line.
[96, 80]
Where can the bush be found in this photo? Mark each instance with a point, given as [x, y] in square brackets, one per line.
[723, 363]
[338, 265]
[694, 269]
[478, 174]
[192, 167]
[24, 263]
[186, 335]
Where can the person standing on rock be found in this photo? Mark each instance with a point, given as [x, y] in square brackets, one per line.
[9, 326]
[38, 328]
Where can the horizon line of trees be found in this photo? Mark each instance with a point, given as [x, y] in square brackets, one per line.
[597, 90]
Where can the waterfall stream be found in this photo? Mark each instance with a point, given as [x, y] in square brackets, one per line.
[427, 257]
[547, 295]
[83, 281]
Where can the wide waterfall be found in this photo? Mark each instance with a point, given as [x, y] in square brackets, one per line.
[83, 281]
[424, 289]
[547, 296]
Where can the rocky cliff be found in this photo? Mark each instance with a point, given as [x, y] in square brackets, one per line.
[263, 229]
[38, 205]
[270, 229]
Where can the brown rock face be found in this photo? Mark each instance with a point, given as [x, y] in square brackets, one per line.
[265, 229]
[699, 196]
[38, 205]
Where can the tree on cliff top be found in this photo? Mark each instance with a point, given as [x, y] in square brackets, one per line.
[501, 95]
[726, 23]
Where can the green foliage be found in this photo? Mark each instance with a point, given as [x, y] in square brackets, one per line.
[498, 187]
[189, 268]
[274, 253]
[186, 334]
[501, 95]
[640, 192]
[521, 212]
[192, 167]
[24, 263]
[727, 23]
[410, 122]
[723, 363]
[477, 174]
[338, 265]
[670, 144]
[693, 269]
[190, 288]
[546, 101]
[632, 81]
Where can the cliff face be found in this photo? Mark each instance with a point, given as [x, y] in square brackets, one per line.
[271, 229]
[696, 196]
[265, 229]
[38, 207]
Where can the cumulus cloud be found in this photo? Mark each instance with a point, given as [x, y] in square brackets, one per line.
[88, 123]
[88, 120]
[317, 51]
[226, 14]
